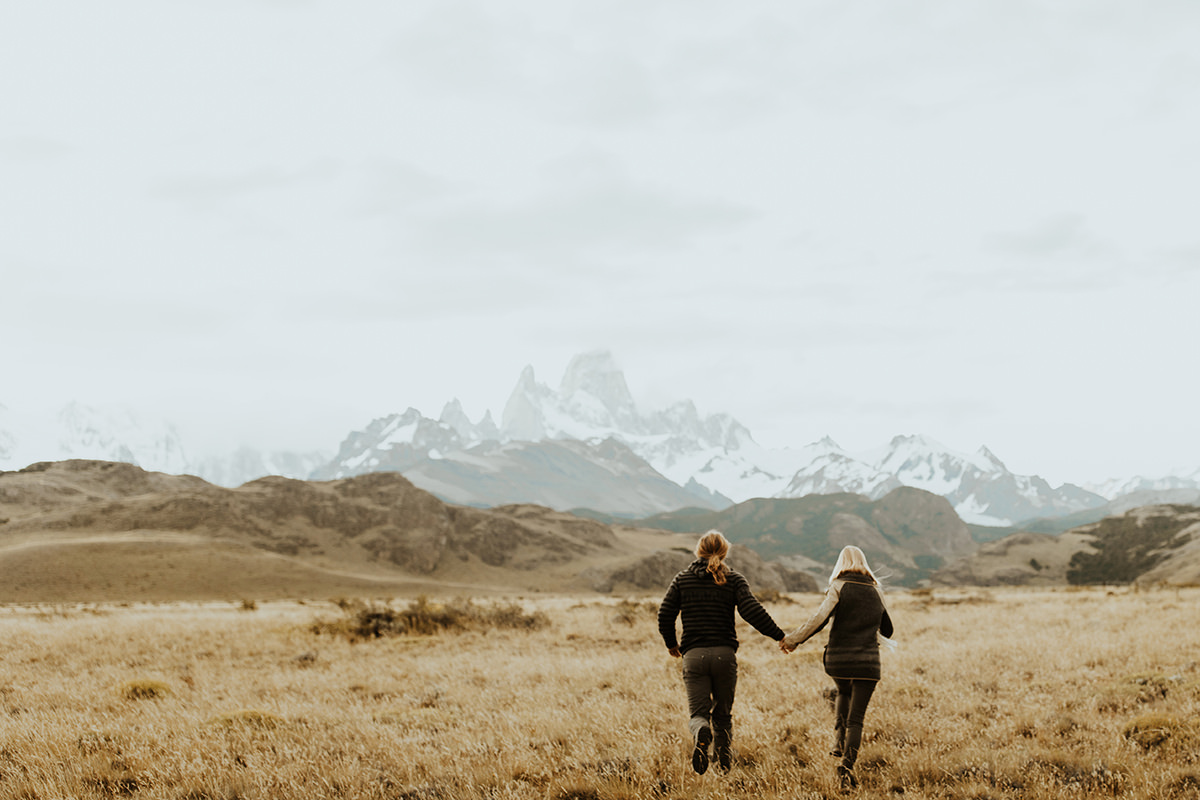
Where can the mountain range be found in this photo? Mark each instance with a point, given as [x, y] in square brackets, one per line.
[586, 444]
[92, 531]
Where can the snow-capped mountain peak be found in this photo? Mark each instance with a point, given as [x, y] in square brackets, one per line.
[925, 463]
[522, 417]
[454, 416]
[593, 401]
[823, 447]
[990, 458]
[829, 469]
[593, 378]
[832, 471]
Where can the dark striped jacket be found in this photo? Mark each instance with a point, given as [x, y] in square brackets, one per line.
[707, 609]
[858, 615]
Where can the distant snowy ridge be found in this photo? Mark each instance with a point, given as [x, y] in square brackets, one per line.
[471, 464]
[982, 490]
[8, 441]
[832, 470]
[719, 454]
[109, 433]
[246, 464]
[119, 433]
[585, 444]
[714, 457]
[1118, 487]
[594, 402]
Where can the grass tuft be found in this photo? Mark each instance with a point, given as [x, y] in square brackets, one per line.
[577, 793]
[143, 689]
[630, 612]
[1157, 729]
[1186, 785]
[248, 718]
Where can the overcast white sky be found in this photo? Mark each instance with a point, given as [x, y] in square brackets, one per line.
[271, 222]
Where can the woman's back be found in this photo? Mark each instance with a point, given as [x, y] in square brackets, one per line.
[855, 607]
[858, 616]
[858, 619]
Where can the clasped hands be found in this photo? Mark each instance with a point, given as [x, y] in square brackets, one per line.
[675, 653]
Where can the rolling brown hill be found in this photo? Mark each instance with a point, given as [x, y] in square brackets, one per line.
[1148, 545]
[74, 531]
[907, 533]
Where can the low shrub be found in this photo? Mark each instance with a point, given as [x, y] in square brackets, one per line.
[421, 617]
[631, 612]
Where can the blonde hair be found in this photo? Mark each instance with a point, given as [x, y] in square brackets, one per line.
[713, 547]
[852, 559]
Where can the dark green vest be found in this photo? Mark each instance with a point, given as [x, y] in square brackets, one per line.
[853, 649]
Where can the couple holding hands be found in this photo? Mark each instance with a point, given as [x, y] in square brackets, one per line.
[705, 596]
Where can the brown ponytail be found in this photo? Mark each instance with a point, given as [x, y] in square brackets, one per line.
[713, 547]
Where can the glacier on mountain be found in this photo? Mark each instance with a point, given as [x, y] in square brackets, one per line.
[981, 489]
[830, 470]
[593, 402]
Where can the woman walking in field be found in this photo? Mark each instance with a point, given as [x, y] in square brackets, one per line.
[705, 595]
[854, 602]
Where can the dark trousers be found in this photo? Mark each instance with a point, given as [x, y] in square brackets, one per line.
[851, 709]
[710, 677]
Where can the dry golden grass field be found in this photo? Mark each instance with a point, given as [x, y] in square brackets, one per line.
[992, 694]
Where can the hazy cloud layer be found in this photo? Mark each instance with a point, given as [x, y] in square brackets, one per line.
[973, 221]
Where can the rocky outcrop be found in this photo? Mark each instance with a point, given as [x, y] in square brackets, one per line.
[380, 516]
[95, 529]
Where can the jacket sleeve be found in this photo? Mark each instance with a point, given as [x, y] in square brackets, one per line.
[753, 612]
[885, 626]
[668, 610]
[816, 621]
